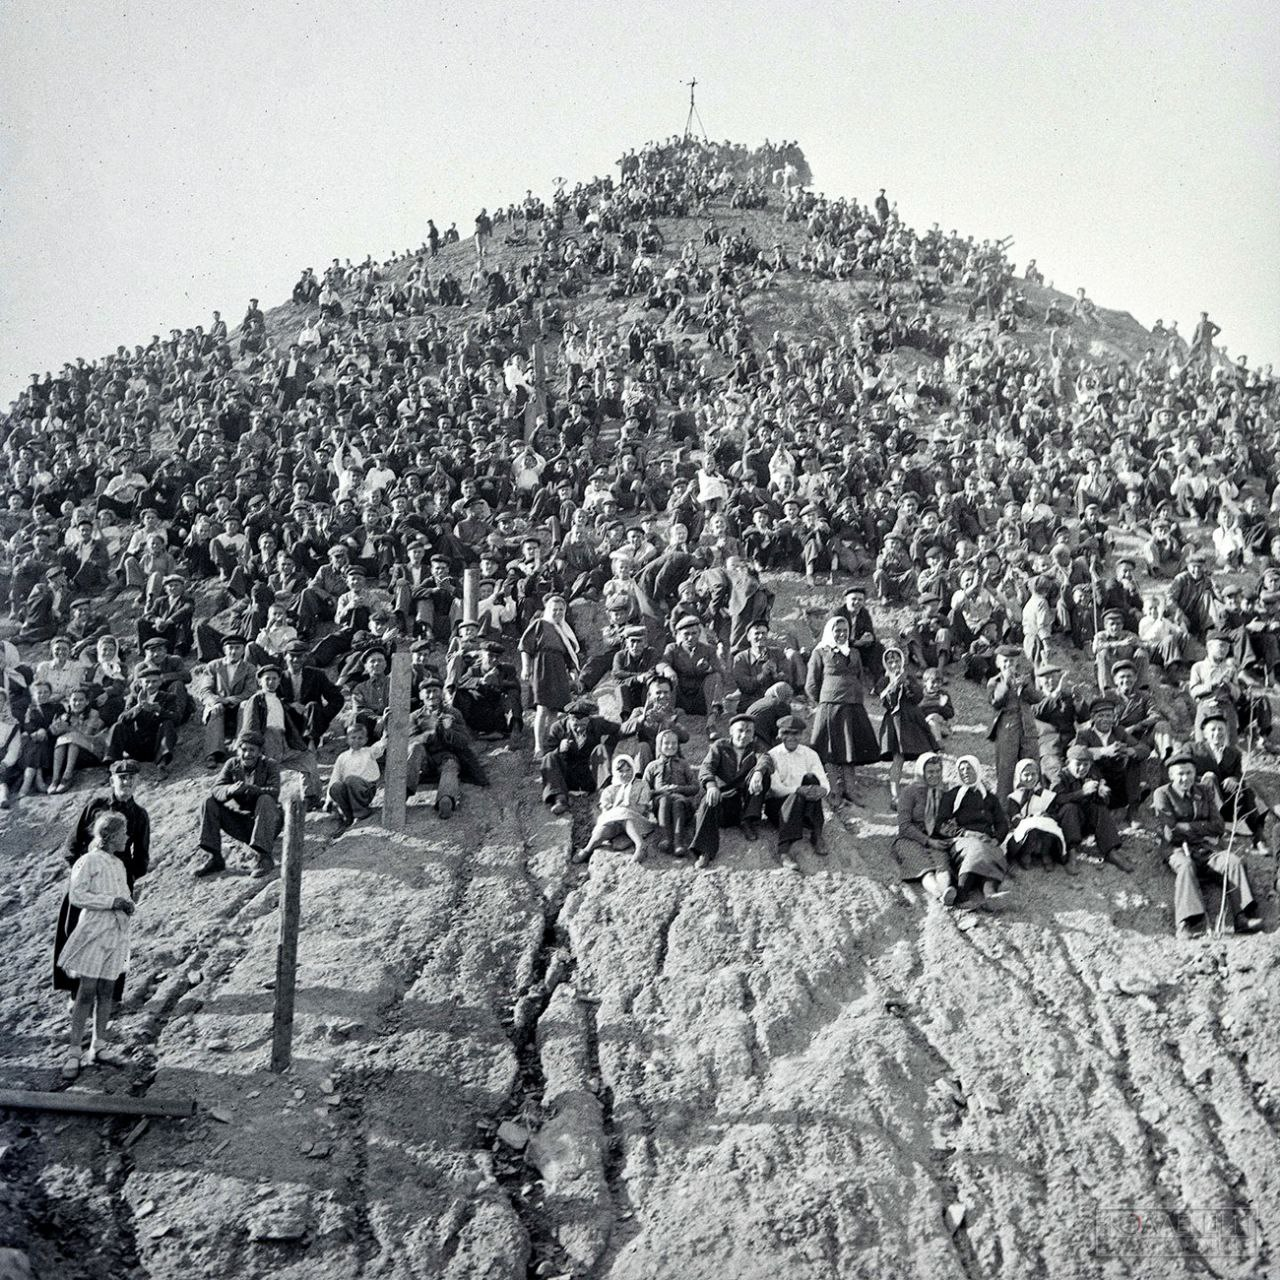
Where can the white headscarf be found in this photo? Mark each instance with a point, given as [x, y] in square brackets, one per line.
[828, 640]
[965, 787]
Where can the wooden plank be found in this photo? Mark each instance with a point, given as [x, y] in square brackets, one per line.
[290, 914]
[103, 1104]
[396, 760]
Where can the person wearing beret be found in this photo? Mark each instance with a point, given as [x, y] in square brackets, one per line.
[136, 856]
[1191, 823]
[579, 747]
[1084, 809]
[794, 783]
[245, 804]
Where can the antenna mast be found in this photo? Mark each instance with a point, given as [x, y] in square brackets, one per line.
[693, 112]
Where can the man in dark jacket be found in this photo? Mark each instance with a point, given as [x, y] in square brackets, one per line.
[728, 797]
[441, 751]
[581, 747]
[136, 855]
[245, 804]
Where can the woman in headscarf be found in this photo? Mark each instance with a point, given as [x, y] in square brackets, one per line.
[922, 848]
[109, 679]
[550, 659]
[980, 825]
[626, 806]
[1032, 809]
[842, 732]
[904, 732]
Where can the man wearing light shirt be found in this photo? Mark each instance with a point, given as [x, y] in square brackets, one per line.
[796, 783]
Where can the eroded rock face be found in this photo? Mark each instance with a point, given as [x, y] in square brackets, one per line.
[807, 1075]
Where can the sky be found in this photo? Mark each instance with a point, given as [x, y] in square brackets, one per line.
[158, 161]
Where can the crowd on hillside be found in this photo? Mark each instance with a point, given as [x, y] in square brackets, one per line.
[219, 539]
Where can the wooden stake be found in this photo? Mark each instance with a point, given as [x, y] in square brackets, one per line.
[470, 593]
[290, 912]
[396, 760]
[102, 1104]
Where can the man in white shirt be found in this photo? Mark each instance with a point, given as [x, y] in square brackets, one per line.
[797, 783]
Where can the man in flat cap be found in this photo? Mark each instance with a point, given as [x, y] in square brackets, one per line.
[1084, 809]
[1192, 826]
[795, 784]
[245, 804]
[219, 687]
[733, 788]
[580, 748]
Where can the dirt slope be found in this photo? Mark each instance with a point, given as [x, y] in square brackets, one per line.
[735, 1073]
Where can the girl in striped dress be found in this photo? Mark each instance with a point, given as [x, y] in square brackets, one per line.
[97, 952]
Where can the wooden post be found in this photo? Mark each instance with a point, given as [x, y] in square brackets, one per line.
[470, 593]
[396, 761]
[295, 813]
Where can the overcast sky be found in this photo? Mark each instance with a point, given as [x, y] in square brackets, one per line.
[158, 161]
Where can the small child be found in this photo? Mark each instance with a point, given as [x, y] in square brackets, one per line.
[675, 790]
[936, 704]
[356, 774]
[97, 952]
[625, 805]
[80, 740]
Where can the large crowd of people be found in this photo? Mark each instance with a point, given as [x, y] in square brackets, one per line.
[215, 541]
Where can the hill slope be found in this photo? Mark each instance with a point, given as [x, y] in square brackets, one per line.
[735, 1073]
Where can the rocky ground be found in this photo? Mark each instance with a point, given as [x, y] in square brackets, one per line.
[509, 1066]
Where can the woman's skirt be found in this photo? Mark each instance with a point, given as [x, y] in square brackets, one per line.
[1037, 837]
[917, 860]
[842, 734]
[625, 813]
[90, 744]
[975, 853]
[905, 733]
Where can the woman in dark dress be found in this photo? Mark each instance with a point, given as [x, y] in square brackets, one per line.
[842, 732]
[550, 659]
[904, 732]
[981, 825]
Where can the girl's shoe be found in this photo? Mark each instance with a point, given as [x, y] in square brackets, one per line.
[107, 1054]
[71, 1067]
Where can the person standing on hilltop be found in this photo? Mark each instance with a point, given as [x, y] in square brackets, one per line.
[1202, 342]
[882, 208]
